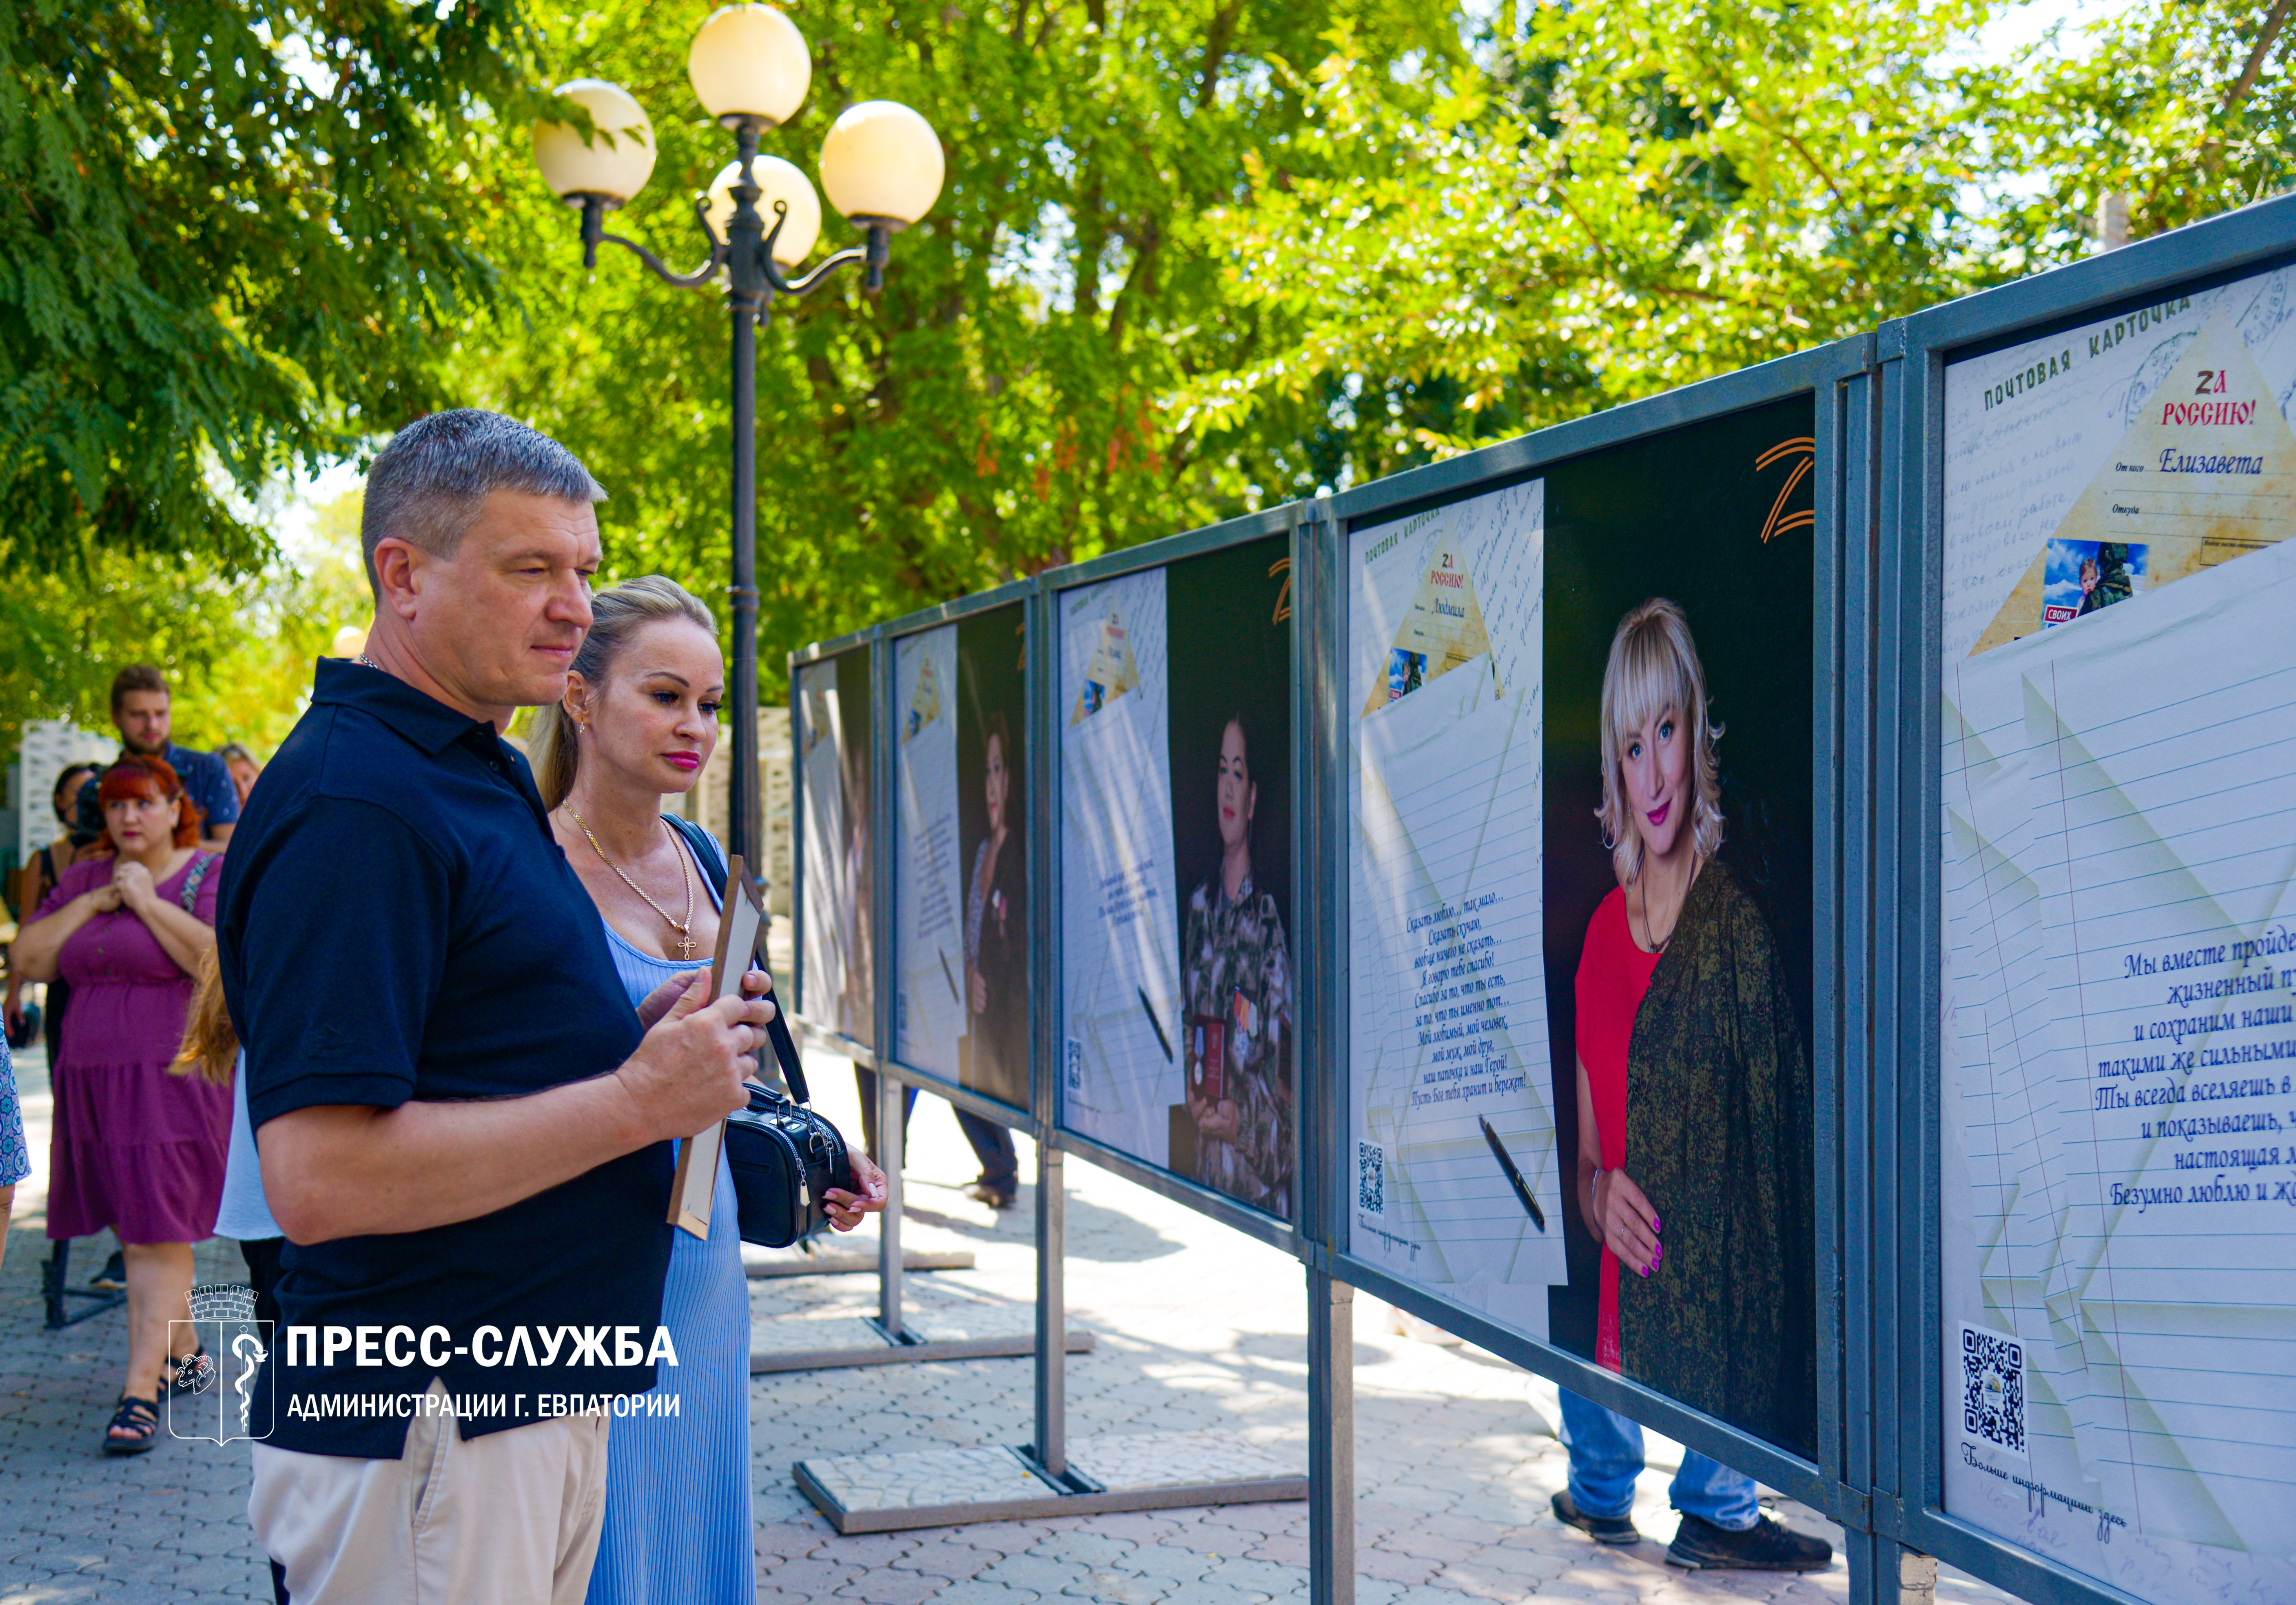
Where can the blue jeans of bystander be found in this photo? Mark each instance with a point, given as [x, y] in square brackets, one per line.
[1606, 1456]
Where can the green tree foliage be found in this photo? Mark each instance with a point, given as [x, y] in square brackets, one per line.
[1606, 201]
[235, 231]
[239, 646]
[1002, 405]
[1190, 259]
[1611, 199]
[2186, 107]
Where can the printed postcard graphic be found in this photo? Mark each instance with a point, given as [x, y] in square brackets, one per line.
[1458, 1180]
[924, 699]
[1443, 630]
[929, 896]
[1112, 672]
[827, 884]
[1121, 950]
[2120, 878]
[2163, 428]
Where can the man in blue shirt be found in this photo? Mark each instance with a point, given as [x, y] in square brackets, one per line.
[141, 714]
[464, 1130]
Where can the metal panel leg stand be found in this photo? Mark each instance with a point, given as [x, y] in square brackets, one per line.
[1050, 1476]
[892, 1136]
[1330, 1441]
[890, 1337]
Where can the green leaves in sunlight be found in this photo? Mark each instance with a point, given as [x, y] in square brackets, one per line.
[1005, 404]
[1615, 197]
[1190, 259]
[235, 234]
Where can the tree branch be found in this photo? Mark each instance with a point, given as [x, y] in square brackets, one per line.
[2273, 22]
[1754, 115]
[1217, 38]
[1140, 280]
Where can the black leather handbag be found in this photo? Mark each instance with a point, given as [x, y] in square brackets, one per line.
[784, 1155]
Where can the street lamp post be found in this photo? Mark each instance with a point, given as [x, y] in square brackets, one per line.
[881, 166]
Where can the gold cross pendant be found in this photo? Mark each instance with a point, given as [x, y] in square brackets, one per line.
[684, 947]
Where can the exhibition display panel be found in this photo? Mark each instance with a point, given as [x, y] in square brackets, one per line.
[2097, 493]
[1179, 991]
[832, 724]
[961, 880]
[1583, 700]
[1772, 906]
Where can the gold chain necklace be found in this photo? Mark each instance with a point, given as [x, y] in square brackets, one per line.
[684, 927]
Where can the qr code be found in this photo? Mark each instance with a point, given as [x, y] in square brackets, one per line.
[1992, 1390]
[1073, 1064]
[1371, 1178]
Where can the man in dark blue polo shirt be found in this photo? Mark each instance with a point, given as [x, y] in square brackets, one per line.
[142, 714]
[463, 1131]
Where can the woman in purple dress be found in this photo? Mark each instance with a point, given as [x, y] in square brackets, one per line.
[134, 1148]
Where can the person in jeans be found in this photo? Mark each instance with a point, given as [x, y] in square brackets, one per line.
[1662, 820]
[464, 1129]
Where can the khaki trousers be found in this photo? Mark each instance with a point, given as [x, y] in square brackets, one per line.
[509, 1519]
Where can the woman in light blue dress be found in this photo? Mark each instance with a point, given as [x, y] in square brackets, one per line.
[639, 723]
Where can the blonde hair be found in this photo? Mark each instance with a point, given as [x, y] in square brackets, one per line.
[1653, 668]
[617, 615]
[211, 1045]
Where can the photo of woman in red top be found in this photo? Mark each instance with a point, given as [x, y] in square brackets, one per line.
[1693, 1088]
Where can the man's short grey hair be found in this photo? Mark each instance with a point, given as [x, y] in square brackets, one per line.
[426, 487]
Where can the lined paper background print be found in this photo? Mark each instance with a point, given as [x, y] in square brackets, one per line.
[2120, 798]
[1116, 821]
[928, 890]
[1444, 793]
[2119, 816]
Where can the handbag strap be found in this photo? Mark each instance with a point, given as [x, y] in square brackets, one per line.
[202, 862]
[705, 854]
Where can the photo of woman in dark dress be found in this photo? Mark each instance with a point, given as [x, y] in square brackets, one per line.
[993, 1055]
[1235, 976]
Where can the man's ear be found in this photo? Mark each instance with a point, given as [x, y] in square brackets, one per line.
[399, 575]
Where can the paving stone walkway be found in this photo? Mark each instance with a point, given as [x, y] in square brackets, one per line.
[1197, 1328]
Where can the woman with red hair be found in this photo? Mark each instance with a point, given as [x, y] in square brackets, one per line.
[132, 1147]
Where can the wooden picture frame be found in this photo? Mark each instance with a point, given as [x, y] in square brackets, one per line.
[741, 936]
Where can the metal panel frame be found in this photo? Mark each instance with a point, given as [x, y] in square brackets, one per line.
[1279, 1234]
[1909, 1435]
[1819, 374]
[1854, 886]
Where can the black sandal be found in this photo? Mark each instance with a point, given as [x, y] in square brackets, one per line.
[195, 1374]
[140, 1417]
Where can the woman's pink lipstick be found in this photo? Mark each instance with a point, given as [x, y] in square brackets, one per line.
[685, 761]
[1657, 816]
